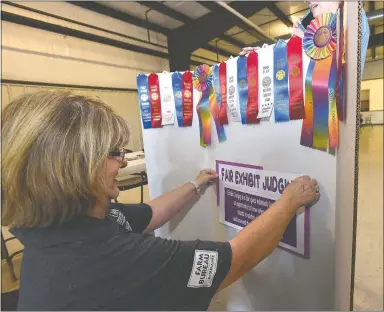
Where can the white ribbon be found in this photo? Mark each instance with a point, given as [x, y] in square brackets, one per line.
[167, 99]
[232, 94]
[265, 81]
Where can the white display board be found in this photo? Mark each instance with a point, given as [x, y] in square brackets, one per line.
[174, 157]
[282, 281]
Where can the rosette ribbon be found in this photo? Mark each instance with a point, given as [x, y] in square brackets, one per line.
[319, 43]
[207, 105]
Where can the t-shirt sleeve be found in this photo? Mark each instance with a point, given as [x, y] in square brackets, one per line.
[179, 275]
[135, 217]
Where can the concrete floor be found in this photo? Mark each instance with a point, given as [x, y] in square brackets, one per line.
[369, 239]
[369, 255]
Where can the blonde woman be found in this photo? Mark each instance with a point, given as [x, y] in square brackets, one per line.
[61, 154]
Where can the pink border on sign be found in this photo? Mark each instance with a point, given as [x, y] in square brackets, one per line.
[306, 212]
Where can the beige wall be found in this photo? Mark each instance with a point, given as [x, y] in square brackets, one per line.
[375, 88]
[37, 55]
[125, 103]
[30, 54]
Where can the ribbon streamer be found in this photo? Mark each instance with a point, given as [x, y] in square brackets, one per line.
[167, 100]
[232, 99]
[145, 105]
[265, 81]
[242, 86]
[339, 86]
[321, 104]
[214, 108]
[307, 129]
[216, 83]
[177, 88]
[333, 119]
[281, 96]
[295, 67]
[253, 88]
[203, 82]
[154, 95]
[223, 87]
[187, 99]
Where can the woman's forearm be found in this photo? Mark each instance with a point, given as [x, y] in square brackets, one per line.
[168, 205]
[258, 239]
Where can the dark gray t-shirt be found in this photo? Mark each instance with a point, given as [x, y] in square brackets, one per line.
[95, 264]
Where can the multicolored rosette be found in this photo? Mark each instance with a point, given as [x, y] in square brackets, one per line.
[202, 78]
[203, 82]
[320, 38]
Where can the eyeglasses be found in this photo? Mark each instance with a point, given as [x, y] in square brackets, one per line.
[119, 155]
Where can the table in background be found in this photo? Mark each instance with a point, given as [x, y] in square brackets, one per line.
[134, 174]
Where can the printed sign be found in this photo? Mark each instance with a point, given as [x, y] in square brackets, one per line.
[244, 192]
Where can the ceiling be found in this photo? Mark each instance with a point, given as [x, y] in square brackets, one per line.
[213, 33]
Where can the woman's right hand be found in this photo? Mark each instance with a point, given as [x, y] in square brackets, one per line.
[301, 192]
[247, 50]
[296, 30]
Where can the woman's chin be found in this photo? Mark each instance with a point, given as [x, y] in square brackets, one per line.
[114, 191]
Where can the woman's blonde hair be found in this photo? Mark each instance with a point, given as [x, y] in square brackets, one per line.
[54, 148]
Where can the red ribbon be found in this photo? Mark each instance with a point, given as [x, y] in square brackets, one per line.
[154, 95]
[253, 88]
[187, 99]
[339, 104]
[223, 87]
[295, 69]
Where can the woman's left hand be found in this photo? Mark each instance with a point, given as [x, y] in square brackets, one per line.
[206, 176]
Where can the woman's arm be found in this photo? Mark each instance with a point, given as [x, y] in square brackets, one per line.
[168, 205]
[259, 238]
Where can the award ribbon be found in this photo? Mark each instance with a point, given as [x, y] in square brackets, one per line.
[232, 100]
[154, 95]
[265, 81]
[167, 100]
[295, 68]
[319, 43]
[223, 87]
[214, 108]
[320, 101]
[339, 86]
[280, 69]
[242, 86]
[253, 88]
[333, 119]
[187, 99]
[178, 96]
[216, 83]
[201, 82]
[145, 105]
[320, 39]
[307, 129]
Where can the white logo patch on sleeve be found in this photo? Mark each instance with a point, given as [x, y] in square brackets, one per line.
[203, 269]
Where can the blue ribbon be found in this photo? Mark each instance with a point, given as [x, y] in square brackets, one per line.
[177, 87]
[242, 87]
[145, 105]
[280, 71]
[216, 83]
